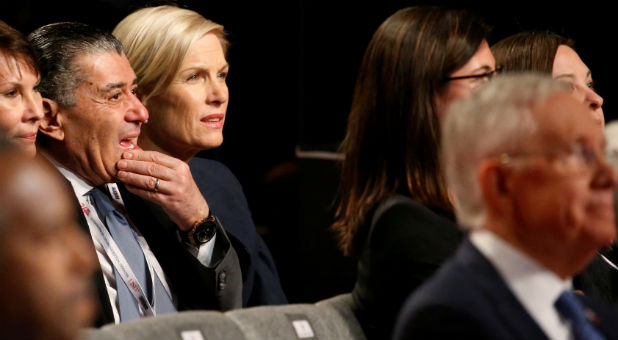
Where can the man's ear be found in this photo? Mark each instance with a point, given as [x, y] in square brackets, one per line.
[493, 179]
[51, 124]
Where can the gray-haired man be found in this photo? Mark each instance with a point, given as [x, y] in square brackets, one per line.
[525, 164]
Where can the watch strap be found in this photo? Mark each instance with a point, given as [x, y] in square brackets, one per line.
[189, 235]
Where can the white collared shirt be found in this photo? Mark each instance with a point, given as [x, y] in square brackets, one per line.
[81, 189]
[536, 287]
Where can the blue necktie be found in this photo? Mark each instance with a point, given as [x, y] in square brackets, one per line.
[569, 306]
[126, 240]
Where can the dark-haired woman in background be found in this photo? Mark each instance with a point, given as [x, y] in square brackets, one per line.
[394, 211]
[21, 106]
[550, 53]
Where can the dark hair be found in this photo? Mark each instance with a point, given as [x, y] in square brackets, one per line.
[56, 48]
[393, 133]
[529, 51]
[15, 44]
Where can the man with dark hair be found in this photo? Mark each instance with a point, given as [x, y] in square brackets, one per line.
[92, 120]
[535, 193]
[46, 261]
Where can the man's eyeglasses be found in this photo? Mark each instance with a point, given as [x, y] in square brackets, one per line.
[579, 156]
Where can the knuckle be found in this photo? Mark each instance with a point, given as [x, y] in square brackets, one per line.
[154, 156]
[151, 169]
[150, 183]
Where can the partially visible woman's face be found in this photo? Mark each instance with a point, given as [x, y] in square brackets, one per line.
[569, 67]
[188, 117]
[476, 72]
[21, 106]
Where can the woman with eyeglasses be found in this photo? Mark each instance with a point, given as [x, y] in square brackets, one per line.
[550, 53]
[394, 213]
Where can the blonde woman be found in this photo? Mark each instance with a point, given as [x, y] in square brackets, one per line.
[180, 59]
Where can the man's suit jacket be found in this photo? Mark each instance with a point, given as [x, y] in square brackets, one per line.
[194, 286]
[226, 199]
[467, 298]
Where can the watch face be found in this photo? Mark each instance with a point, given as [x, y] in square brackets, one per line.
[204, 232]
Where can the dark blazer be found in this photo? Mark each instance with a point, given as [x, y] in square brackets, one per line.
[405, 244]
[226, 199]
[599, 279]
[194, 286]
[467, 298]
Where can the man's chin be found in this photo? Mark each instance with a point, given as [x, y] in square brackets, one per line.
[602, 233]
[109, 176]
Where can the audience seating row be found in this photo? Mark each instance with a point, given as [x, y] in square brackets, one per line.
[331, 318]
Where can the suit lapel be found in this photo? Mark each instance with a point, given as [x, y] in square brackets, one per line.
[193, 285]
[513, 314]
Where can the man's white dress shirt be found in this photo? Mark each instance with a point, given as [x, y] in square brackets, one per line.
[536, 287]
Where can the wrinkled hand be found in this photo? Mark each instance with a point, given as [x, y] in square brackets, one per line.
[177, 192]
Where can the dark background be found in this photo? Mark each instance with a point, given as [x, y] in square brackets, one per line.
[293, 68]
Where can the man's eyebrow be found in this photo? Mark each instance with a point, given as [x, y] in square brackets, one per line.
[113, 86]
[119, 85]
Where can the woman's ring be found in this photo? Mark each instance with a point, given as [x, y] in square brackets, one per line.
[156, 186]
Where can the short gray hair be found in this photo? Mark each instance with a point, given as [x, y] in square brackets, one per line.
[494, 120]
[56, 48]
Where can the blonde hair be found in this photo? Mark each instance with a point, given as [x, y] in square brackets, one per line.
[157, 41]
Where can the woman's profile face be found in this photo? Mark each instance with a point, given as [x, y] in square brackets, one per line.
[569, 67]
[188, 117]
[21, 106]
[461, 83]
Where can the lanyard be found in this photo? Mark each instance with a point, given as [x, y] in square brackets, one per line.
[99, 231]
[113, 190]
[610, 263]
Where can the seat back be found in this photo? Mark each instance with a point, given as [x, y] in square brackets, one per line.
[182, 326]
[329, 319]
[345, 307]
[333, 318]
